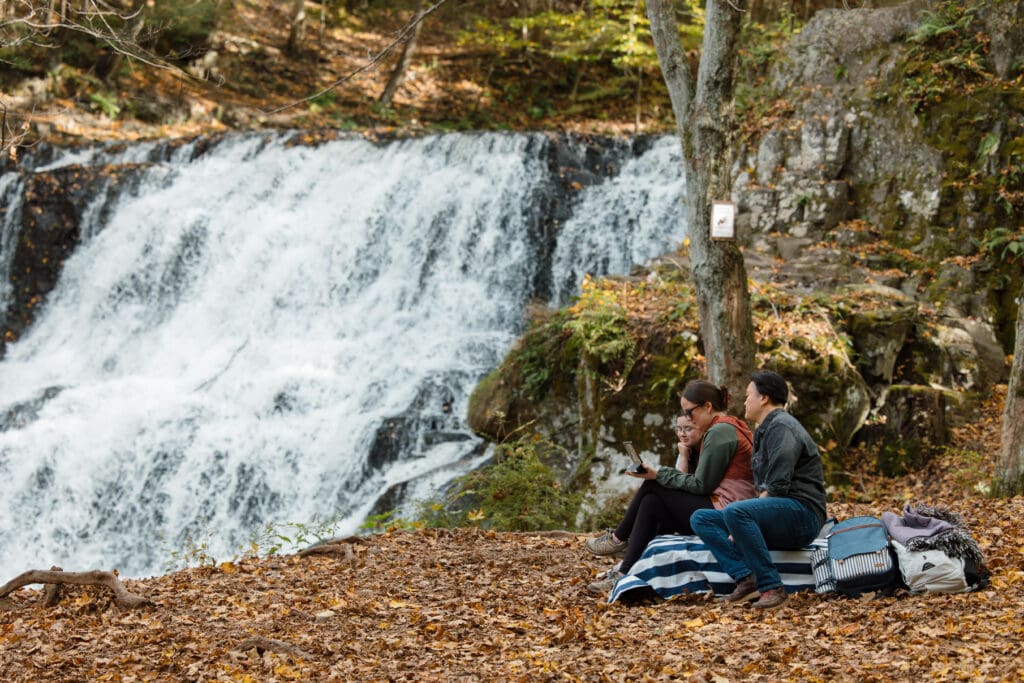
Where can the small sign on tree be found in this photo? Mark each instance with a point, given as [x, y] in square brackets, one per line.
[723, 221]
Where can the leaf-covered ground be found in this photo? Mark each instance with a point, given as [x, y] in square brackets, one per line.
[468, 605]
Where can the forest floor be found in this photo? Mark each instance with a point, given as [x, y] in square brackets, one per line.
[468, 604]
[243, 78]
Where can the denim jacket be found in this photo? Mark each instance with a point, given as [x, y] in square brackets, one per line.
[786, 462]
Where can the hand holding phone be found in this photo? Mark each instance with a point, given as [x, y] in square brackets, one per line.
[638, 466]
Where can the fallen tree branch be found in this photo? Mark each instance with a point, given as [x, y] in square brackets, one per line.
[342, 549]
[271, 645]
[122, 598]
[360, 540]
[553, 533]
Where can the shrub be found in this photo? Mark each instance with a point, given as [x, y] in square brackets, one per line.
[516, 492]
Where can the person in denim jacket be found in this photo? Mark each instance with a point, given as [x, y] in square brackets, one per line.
[790, 507]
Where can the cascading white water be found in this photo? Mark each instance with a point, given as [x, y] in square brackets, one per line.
[642, 206]
[226, 349]
[10, 206]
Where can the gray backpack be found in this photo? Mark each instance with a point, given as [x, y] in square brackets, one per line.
[858, 559]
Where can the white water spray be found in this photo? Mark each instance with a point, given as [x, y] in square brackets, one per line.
[227, 349]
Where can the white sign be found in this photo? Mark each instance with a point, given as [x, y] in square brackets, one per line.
[723, 216]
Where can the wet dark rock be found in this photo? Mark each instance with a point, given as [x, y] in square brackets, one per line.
[22, 414]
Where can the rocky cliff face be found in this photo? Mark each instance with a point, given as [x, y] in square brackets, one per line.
[906, 122]
[902, 149]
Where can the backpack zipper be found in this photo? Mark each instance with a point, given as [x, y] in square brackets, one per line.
[853, 528]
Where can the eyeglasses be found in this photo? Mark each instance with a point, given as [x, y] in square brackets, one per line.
[688, 412]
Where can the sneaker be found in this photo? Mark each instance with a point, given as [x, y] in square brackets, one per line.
[605, 544]
[745, 589]
[605, 582]
[771, 598]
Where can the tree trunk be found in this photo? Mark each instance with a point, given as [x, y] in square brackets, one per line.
[705, 120]
[298, 27]
[398, 75]
[1010, 467]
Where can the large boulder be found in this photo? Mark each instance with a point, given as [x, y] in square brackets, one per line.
[942, 354]
[828, 396]
[862, 139]
[1004, 23]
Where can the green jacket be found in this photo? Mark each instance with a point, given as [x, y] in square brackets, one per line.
[716, 451]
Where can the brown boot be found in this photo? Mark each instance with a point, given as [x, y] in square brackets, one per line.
[771, 598]
[745, 589]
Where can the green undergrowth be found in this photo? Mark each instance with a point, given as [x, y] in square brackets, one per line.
[618, 334]
[517, 491]
[273, 538]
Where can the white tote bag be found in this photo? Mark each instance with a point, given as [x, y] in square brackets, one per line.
[931, 571]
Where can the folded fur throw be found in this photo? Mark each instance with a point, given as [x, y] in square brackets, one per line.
[954, 538]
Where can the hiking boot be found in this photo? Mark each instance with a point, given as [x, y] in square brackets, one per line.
[605, 582]
[605, 544]
[745, 589]
[771, 598]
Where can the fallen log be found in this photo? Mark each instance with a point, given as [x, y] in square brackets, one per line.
[122, 598]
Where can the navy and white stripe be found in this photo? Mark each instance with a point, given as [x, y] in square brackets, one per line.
[675, 565]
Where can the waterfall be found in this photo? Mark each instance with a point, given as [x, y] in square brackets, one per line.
[637, 211]
[10, 211]
[263, 331]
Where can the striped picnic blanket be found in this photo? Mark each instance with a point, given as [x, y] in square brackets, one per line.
[674, 565]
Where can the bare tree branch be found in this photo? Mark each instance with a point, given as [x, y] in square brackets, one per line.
[33, 21]
[122, 598]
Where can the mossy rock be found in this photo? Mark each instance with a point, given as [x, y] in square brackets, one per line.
[941, 355]
[831, 403]
[489, 405]
[914, 426]
[878, 332]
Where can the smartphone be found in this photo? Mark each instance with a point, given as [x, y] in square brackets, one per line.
[638, 465]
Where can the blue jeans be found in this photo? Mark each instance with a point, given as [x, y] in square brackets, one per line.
[755, 524]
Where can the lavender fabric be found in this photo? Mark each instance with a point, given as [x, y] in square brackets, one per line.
[913, 525]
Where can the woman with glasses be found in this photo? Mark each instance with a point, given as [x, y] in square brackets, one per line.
[668, 497]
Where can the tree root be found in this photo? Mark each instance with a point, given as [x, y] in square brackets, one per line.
[55, 577]
[51, 591]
